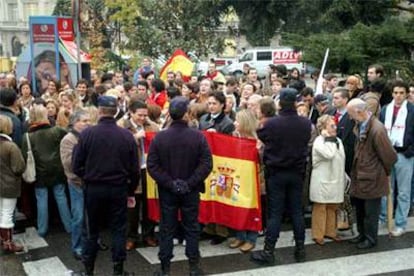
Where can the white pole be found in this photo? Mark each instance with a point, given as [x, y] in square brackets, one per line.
[78, 37]
[319, 83]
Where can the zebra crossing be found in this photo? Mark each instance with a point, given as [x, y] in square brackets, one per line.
[52, 256]
[364, 264]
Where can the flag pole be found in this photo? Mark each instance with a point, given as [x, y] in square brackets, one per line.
[319, 83]
[78, 35]
[390, 208]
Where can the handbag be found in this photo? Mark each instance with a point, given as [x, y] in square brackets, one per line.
[342, 222]
[29, 175]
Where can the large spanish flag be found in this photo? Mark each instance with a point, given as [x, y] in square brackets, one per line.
[232, 196]
[179, 61]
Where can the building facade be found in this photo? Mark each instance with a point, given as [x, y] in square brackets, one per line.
[14, 23]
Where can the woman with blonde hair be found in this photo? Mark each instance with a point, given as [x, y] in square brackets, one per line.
[246, 124]
[68, 104]
[354, 85]
[12, 166]
[327, 180]
[93, 114]
[45, 144]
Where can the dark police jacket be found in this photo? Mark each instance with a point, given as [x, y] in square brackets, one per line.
[286, 140]
[107, 154]
[179, 152]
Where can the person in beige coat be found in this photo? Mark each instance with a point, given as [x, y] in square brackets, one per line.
[12, 166]
[327, 180]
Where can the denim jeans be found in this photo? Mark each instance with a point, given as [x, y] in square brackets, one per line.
[401, 176]
[412, 188]
[43, 210]
[247, 236]
[284, 187]
[76, 202]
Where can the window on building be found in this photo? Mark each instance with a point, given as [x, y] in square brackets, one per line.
[30, 9]
[48, 7]
[12, 11]
[264, 55]
[246, 57]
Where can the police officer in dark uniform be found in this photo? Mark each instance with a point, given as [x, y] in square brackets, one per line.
[285, 140]
[107, 161]
[179, 160]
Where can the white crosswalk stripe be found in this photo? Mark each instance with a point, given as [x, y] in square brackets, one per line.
[30, 239]
[363, 264]
[207, 250]
[358, 264]
[44, 267]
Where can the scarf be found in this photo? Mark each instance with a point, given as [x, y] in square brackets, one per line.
[396, 131]
[6, 137]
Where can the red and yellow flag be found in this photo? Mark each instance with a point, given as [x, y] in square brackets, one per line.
[179, 61]
[232, 196]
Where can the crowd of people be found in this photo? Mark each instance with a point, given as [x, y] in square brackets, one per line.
[339, 151]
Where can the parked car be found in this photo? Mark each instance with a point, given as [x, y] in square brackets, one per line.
[260, 58]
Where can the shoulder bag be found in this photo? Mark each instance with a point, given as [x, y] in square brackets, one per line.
[29, 175]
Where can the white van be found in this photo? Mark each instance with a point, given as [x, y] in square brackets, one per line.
[260, 58]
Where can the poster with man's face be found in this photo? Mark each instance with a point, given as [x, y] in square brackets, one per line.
[45, 61]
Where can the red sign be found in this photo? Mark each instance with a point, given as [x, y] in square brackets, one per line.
[286, 56]
[65, 29]
[73, 50]
[43, 33]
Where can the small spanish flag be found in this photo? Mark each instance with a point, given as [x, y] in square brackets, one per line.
[179, 61]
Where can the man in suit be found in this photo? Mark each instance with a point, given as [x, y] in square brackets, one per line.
[345, 125]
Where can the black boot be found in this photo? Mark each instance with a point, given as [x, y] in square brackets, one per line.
[119, 269]
[357, 239]
[164, 271]
[89, 268]
[300, 255]
[264, 257]
[195, 269]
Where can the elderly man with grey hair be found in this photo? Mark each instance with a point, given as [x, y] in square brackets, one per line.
[373, 160]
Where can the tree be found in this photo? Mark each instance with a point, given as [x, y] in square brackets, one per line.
[390, 44]
[96, 29]
[259, 20]
[159, 27]
[62, 8]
